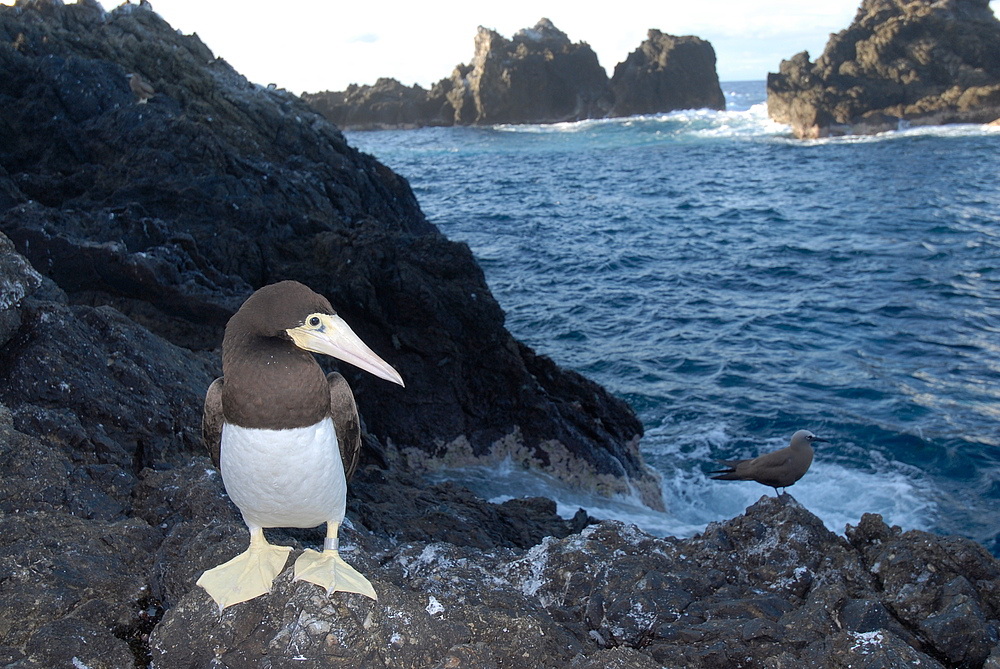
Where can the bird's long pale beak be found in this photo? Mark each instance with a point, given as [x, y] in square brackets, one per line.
[333, 336]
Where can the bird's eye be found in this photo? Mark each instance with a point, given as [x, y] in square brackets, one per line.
[314, 321]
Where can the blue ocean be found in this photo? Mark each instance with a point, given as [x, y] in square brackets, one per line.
[734, 285]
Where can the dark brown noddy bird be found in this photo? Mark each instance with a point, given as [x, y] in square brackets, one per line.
[285, 436]
[779, 469]
[142, 90]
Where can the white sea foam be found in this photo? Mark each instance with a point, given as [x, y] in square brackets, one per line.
[837, 494]
[708, 267]
[951, 130]
[687, 123]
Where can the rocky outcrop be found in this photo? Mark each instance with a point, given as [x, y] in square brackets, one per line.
[172, 212]
[899, 64]
[386, 104]
[538, 76]
[86, 581]
[667, 72]
[772, 587]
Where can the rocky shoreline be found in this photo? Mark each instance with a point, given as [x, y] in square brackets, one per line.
[899, 64]
[128, 235]
[538, 76]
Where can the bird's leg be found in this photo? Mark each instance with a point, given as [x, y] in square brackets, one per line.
[248, 575]
[328, 570]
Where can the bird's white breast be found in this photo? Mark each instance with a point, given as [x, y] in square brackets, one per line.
[284, 478]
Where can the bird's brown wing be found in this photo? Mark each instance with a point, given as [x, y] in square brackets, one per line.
[346, 421]
[769, 462]
[212, 419]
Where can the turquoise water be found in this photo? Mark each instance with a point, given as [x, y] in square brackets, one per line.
[734, 285]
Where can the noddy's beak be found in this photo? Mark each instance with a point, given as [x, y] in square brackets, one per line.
[334, 337]
[815, 439]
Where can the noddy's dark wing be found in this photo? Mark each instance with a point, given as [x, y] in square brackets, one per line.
[346, 421]
[212, 419]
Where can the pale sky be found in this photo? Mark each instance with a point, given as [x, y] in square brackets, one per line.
[316, 45]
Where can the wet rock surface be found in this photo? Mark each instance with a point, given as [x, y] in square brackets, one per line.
[898, 64]
[537, 76]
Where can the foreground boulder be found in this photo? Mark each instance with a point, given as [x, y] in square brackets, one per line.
[898, 64]
[538, 76]
[772, 587]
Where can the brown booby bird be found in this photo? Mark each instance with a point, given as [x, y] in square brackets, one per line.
[779, 469]
[285, 436]
[142, 90]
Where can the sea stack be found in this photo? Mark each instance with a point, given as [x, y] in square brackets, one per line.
[898, 64]
[665, 73]
[537, 76]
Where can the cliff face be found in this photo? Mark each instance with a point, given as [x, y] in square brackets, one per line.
[173, 211]
[667, 72]
[916, 63]
[538, 76]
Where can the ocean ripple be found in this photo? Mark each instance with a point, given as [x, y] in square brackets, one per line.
[734, 285]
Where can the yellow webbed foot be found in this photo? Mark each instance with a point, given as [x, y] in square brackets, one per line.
[247, 575]
[328, 570]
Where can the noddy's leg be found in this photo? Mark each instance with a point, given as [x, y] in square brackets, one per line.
[248, 575]
[328, 570]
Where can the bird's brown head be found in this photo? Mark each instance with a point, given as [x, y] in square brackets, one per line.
[291, 311]
[805, 438]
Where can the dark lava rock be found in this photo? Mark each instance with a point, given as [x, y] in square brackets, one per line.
[17, 280]
[925, 62]
[172, 212]
[947, 590]
[538, 76]
[770, 588]
[667, 72]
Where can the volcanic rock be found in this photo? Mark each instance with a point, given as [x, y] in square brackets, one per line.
[900, 63]
[772, 587]
[386, 104]
[173, 212]
[665, 73]
[538, 76]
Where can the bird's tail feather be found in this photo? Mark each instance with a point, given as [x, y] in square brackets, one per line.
[729, 473]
